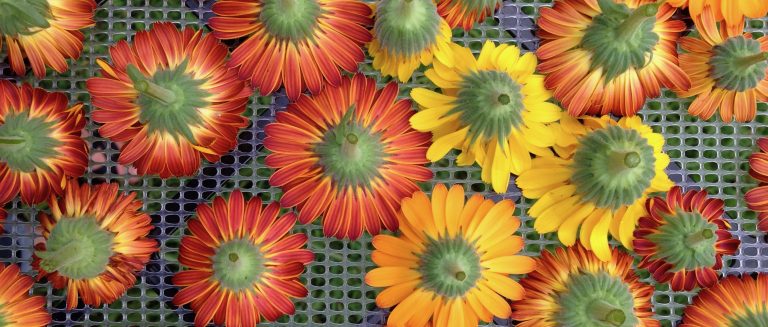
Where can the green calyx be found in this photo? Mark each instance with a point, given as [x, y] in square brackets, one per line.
[293, 20]
[596, 300]
[621, 38]
[238, 264]
[477, 5]
[3, 322]
[25, 142]
[450, 267]
[407, 27]
[613, 167]
[738, 64]
[756, 318]
[490, 103]
[78, 248]
[170, 100]
[686, 240]
[24, 17]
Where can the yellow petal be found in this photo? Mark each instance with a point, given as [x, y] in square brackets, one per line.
[501, 230]
[413, 304]
[629, 222]
[504, 285]
[589, 225]
[396, 246]
[418, 211]
[485, 60]
[486, 174]
[439, 81]
[599, 237]
[442, 145]
[509, 57]
[500, 211]
[388, 276]
[543, 112]
[554, 216]
[454, 204]
[524, 67]
[431, 118]
[516, 264]
[439, 194]
[395, 294]
[548, 200]
[539, 134]
[470, 208]
[479, 216]
[382, 259]
[509, 246]
[430, 99]
[567, 231]
[520, 158]
[500, 171]
[493, 302]
[473, 299]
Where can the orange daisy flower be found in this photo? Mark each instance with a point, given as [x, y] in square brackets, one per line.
[296, 43]
[572, 287]
[40, 143]
[728, 70]
[464, 13]
[170, 97]
[45, 32]
[602, 56]
[95, 243]
[730, 11]
[17, 307]
[735, 301]
[349, 154]
[243, 263]
[757, 198]
[683, 239]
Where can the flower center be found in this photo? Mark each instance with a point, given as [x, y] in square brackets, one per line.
[238, 264]
[78, 248]
[738, 64]
[751, 317]
[407, 27]
[170, 100]
[293, 20]
[26, 142]
[613, 167]
[490, 103]
[597, 300]
[449, 267]
[23, 17]
[686, 240]
[621, 38]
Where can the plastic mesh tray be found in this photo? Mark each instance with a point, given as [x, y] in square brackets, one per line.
[707, 154]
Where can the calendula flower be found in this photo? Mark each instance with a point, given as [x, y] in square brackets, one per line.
[242, 263]
[735, 301]
[95, 243]
[729, 11]
[408, 34]
[601, 188]
[45, 32]
[494, 109]
[683, 238]
[347, 154]
[301, 44]
[40, 143]
[757, 198]
[464, 13]
[17, 307]
[451, 264]
[170, 97]
[606, 57]
[572, 287]
[727, 70]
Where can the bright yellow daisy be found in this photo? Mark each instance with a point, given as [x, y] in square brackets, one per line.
[493, 108]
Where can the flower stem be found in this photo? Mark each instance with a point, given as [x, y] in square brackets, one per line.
[696, 238]
[748, 61]
[621, 160]
[640, 15]
[603, 311]
[11, 140]
[149, 88]
[349, 147]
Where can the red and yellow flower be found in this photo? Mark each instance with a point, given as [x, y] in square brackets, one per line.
[242, 263]
[170, 97]
[348, 154]
[683, 238]
[729, 11]
[302, 44]
[735, 301]
[17, 307]
[605, 57]
[757, 198]
[464, 13]
[40, 143]
[95, 242]
[451, 264]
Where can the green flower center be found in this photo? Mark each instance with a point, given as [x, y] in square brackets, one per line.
[686, 240]
[170, 100]
[596, 300]
[407, 27]
[450, 267]
[293, 20]
[738, 64]
[750, 318]
[78, 248]
[25, 142]
[613, 167]
[621, 38]
[490, 103]
[238, 264]
[23, 17]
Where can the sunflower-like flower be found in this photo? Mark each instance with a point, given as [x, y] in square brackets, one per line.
[757, 198]
[683, 238]
[464, 13]
[602, 56]
[601, 188]
[735, 301]
[408, 34]
[348, 154]
[301, 44]
[494, 109]
[17, 307]
[170, 97]
[728, 70]
[40, 143]
[450, 266]
[572, 287]
[95, 243]
[729, 11]
[45, 32]
[242, 263]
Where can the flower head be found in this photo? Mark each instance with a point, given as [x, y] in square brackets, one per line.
[242, 263]
[735, 301]
[170, 97]
[731, 12]
[451, 264]
[17, 307]
[757, 198]
[464, 13]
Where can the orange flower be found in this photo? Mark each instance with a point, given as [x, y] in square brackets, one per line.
[734, 301]
[464, 13]
[757, 198]
[17, 307]
[731, 11]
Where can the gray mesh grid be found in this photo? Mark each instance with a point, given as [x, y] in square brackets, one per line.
[708, 154]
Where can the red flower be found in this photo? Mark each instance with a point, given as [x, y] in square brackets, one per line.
[17, 307]
[757, 198]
